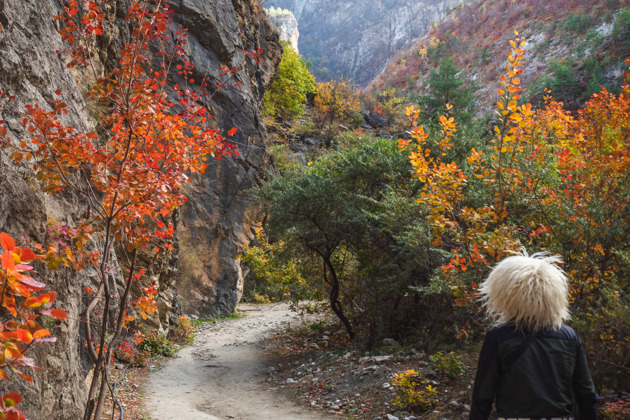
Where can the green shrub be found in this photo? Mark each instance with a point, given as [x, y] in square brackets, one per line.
[155, 344]
[449, 364]
[621, 27]
[357, 120]
[579, 23]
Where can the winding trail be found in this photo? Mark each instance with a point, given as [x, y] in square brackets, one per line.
[222, 375]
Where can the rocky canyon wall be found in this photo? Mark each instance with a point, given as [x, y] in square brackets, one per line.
[356, 38]
[202, 275]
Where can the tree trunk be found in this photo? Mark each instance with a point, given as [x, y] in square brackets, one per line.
[334, 297]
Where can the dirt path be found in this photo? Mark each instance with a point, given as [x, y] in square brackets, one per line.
[222, 375]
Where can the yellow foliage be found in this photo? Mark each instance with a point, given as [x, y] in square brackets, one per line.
[336, 100]
[412, 392]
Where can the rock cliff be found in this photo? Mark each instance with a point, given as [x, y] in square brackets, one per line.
[356, 38]
[286, 24]
[202, 275]
[219, 217]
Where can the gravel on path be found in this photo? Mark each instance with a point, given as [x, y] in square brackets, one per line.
[222, 375]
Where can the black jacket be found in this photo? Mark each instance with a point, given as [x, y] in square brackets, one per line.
[540, 383]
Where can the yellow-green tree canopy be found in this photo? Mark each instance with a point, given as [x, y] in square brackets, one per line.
[287, 94]
[336, 100]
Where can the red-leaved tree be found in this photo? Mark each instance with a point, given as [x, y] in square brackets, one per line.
[152, 136]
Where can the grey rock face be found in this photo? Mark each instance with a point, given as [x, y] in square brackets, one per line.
[216, 222]
[219, 217]
[31, 70]
[356, 38]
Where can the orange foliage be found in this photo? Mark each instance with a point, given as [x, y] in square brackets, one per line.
[336, 100]
[552, 180]
[478, 236]
[20, 306]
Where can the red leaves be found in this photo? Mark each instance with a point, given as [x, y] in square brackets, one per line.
[231, 131]
[24, 336]
[27, 255]
[7, 262]
[8, 244]
[9, 402]
[19, 330]
[59, 314]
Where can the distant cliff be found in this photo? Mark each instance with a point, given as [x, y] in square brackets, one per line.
[286, 24]
[356, 38]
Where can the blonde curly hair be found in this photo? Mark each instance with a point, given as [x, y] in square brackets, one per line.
[529, 291]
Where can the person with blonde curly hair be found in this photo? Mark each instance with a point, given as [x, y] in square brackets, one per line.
[532, 365]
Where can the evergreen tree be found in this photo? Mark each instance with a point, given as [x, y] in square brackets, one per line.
[447, 87]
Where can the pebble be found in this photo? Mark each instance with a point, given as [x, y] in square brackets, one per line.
[392, 417]
[386, 385]
[376, 359]
[271, 369]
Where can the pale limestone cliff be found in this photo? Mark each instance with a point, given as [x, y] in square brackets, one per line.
[286, 24]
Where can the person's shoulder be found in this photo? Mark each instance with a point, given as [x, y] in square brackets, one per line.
[502, 329]
[504, 332]
[564, 332]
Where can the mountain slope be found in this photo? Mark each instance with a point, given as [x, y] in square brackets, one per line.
[356, 38]
[574, 46]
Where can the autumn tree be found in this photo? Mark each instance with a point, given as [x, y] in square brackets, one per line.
[336, 100]
[548, 180]
[288, 93]
[578, 175]
[129, 171]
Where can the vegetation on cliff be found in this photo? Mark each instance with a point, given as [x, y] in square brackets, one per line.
[287, 95]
